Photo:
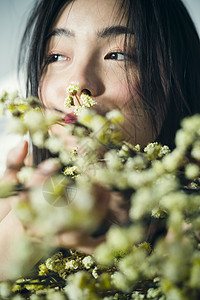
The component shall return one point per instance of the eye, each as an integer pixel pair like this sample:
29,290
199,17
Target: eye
52,58
115,56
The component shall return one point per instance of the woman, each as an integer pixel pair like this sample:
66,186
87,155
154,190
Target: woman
158,50
139,56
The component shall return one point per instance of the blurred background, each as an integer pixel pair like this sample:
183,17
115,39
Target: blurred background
13,16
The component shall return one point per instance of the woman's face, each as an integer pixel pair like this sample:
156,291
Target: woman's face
86,47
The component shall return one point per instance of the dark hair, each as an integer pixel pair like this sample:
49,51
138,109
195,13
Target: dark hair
168,57
166,51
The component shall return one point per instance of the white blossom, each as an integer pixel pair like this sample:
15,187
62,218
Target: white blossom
16,126
69,101
25,174
71,264
54,144
192,171
88,261
72,89
115,116
34,120
87,100
38,138
51,118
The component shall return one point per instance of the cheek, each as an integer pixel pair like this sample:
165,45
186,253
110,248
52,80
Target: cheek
121,95
137,126
43,92
116,81
51,91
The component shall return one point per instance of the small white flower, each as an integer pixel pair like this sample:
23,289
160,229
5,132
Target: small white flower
163,151
16,126
115,137
38,138
87,100
104,254
95,273
112,160
191,124
118,238
54,144
78,109
34,120
88,261
85,117
72,89
153,150
115,116
25,174
158,167
71,171
195,153
172,161
49,263
71,265
183,139
69,101
5,289
51,118
137,162
64,157
120,281
137,296
99,124
192,171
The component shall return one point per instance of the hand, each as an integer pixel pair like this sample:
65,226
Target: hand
15,160
11,228
103,207
81,240
108,207
77,239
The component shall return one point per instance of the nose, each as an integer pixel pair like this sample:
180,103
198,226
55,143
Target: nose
86,91
87,75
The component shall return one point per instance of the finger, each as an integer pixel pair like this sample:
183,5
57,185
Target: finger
16,156
44,171
69,140
78,241
119,207
102,200
89,245
15,160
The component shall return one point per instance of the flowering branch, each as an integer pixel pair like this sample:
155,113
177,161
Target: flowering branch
161,186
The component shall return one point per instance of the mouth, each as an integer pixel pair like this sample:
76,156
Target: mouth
70,118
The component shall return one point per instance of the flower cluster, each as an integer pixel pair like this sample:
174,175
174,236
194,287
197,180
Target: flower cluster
155,255
84,101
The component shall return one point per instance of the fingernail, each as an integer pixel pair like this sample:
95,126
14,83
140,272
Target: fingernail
20,146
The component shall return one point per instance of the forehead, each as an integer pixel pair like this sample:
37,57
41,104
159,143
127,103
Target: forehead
91,14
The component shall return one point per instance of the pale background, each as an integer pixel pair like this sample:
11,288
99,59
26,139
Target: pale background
13,16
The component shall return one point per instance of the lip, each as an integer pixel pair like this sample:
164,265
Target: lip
70,118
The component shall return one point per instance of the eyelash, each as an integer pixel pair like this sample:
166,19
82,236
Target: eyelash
52,58
114,53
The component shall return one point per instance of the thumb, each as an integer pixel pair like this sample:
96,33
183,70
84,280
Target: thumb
15,159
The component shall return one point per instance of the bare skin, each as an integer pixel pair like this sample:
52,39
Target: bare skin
11,229
91,56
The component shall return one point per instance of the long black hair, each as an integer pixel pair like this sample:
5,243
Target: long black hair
166,51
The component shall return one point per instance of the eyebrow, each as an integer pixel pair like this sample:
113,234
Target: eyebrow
60,32
103,33
113,31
